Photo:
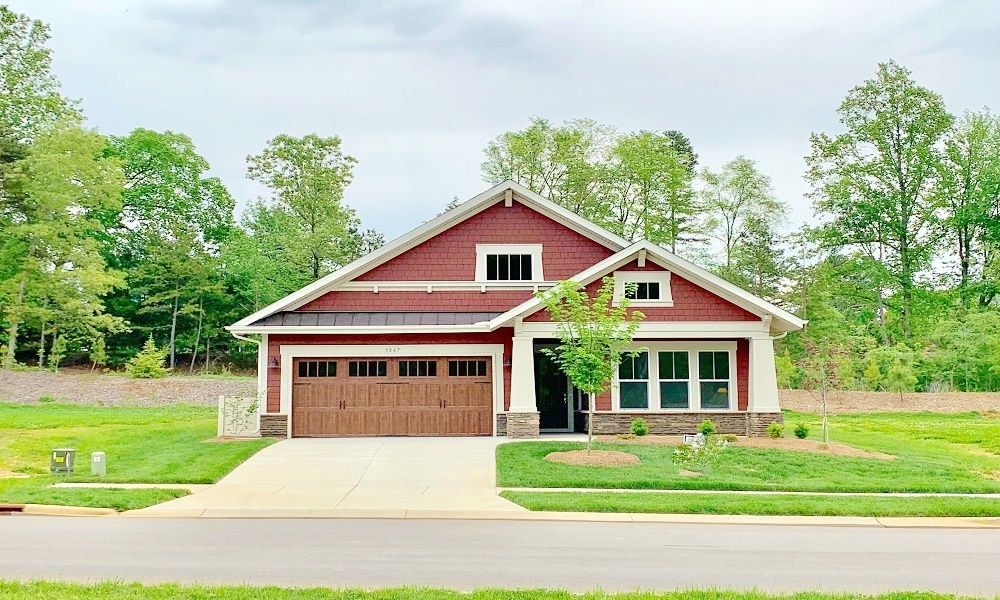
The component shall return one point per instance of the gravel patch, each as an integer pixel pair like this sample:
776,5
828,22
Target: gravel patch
119,390
593,458
864,402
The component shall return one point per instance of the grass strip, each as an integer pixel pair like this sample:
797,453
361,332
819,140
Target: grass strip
756,504
130,591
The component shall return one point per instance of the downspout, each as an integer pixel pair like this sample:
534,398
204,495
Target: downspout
261,373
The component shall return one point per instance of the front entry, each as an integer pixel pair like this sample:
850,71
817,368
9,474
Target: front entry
552,395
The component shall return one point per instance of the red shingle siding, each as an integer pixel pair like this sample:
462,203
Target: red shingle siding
418,300
691,302
742,376
275,341
451,254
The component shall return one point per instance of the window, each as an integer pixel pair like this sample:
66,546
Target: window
713,380
508,267
633,382
674,375
466,368
366,368
643,288
418,368
317,368
508,262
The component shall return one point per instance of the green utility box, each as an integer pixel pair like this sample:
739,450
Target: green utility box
62,460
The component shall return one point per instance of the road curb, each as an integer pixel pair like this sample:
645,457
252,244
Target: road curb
58,510
594,517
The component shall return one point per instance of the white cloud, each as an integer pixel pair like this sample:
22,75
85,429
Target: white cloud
416,91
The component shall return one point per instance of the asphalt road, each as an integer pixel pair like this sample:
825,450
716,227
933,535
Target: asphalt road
468,554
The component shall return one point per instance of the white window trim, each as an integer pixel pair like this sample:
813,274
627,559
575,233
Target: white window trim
535,250
661,277
694,390
687,380
648,379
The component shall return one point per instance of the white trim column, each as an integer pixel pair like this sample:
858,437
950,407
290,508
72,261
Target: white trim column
763,378
522,376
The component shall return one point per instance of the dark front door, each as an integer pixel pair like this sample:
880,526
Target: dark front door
550,393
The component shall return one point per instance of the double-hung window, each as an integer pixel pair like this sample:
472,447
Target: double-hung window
713,380
633,382
674,375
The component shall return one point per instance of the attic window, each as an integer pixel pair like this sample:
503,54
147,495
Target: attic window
643,288
509,262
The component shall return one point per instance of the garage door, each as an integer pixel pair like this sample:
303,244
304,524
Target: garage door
392,396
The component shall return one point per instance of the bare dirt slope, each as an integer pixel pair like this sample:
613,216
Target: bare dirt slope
854,402
117,390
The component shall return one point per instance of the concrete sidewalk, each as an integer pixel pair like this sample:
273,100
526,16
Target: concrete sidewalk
304,475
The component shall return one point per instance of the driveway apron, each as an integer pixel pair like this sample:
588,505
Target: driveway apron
357,474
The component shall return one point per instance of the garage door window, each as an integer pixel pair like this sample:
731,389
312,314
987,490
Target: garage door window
418,368
366,368
466,368
317,368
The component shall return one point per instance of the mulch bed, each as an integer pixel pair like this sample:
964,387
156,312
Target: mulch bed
794,444
594,458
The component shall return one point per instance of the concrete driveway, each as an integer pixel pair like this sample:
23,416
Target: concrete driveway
382,476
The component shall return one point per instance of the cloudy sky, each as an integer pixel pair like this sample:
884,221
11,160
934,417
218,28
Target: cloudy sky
417,91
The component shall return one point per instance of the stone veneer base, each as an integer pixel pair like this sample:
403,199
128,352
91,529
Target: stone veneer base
521,425
752,424
274,426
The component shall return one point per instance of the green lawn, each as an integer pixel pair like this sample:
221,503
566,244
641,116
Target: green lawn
935,453
171,444
129,591
755,504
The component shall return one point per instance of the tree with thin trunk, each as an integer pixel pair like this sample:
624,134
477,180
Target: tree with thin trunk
594,334
878,180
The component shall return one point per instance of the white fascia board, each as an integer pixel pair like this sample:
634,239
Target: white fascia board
431,228
783,320
665,329
354,329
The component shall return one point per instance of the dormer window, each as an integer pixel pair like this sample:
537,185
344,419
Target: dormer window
643,288
509,262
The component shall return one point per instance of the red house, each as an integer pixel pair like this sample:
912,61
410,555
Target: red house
438,333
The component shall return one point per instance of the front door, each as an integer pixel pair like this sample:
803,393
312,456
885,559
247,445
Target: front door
551,394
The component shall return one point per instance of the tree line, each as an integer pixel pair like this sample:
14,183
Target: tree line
899,271
109,241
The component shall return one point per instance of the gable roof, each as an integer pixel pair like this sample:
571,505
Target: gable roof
428,230
782,320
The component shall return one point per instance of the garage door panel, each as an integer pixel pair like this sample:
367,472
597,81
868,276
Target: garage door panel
406,400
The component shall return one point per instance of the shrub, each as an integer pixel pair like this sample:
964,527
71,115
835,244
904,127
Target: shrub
639,426
148,364
801,430
57,353
775,430
697,457
707,427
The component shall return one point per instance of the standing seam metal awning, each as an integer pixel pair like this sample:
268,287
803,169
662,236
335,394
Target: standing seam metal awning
372,319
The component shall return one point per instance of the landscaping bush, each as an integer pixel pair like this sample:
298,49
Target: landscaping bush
801,431
148,364
707,427
639,426
775,430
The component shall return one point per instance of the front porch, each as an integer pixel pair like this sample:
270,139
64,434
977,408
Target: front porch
673,384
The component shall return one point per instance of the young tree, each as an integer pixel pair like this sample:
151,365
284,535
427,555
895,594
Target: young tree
823,370
98,353
594,333
878,179
148,364
736,199
58,352
307,177
30,101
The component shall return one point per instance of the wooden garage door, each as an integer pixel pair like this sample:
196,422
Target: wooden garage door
392,396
